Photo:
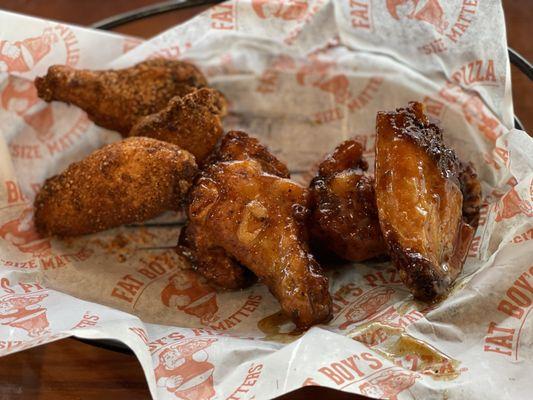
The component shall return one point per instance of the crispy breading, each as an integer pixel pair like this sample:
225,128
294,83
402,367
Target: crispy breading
125,182
116,99
344,217
192,122
419,200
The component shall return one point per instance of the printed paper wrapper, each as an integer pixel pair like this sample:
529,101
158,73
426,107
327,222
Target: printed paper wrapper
302,76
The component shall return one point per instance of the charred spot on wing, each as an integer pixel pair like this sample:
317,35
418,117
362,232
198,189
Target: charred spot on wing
343,219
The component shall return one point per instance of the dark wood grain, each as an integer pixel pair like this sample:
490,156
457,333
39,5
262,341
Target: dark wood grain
69,369
518,17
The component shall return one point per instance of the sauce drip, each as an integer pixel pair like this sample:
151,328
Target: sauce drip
279,328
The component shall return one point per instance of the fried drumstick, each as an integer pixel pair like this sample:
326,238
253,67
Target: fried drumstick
192,122
244,214
344,216
128,181
420,203
116,99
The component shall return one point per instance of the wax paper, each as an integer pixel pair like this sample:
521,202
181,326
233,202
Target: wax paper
301,76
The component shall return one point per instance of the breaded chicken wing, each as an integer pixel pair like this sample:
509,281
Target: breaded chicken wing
241,215
128,181
419,200
116,99
344,216
192,122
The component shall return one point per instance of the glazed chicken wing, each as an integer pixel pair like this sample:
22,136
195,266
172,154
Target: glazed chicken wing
192,122
237,145
241,215
116,99
128,181
344,216
419,200
214,264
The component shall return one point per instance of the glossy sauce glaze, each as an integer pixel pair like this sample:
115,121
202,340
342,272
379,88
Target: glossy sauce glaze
343,215
240,215
419,200
279,328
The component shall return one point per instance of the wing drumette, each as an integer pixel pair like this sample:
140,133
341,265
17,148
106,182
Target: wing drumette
420,203
116,99
344,216
242,214
128,181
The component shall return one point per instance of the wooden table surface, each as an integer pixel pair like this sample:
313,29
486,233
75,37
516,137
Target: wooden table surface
69,369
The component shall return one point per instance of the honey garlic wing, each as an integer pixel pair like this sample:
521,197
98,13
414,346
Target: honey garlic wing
344,217
192,122
116,99
214,263
419,201
125,182
256,219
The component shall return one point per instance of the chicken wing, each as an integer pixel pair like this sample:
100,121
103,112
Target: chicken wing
344,216
419,201
215,263
241,215
192,122
237,145
212,262
128,181
116,99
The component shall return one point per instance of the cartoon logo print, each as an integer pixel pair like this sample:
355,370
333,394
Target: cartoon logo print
388,384
366,306
476,115
24,312
21,233
20,96
185,371
317,74
511,205
22,56
288,10
428,11
223,66
186,292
